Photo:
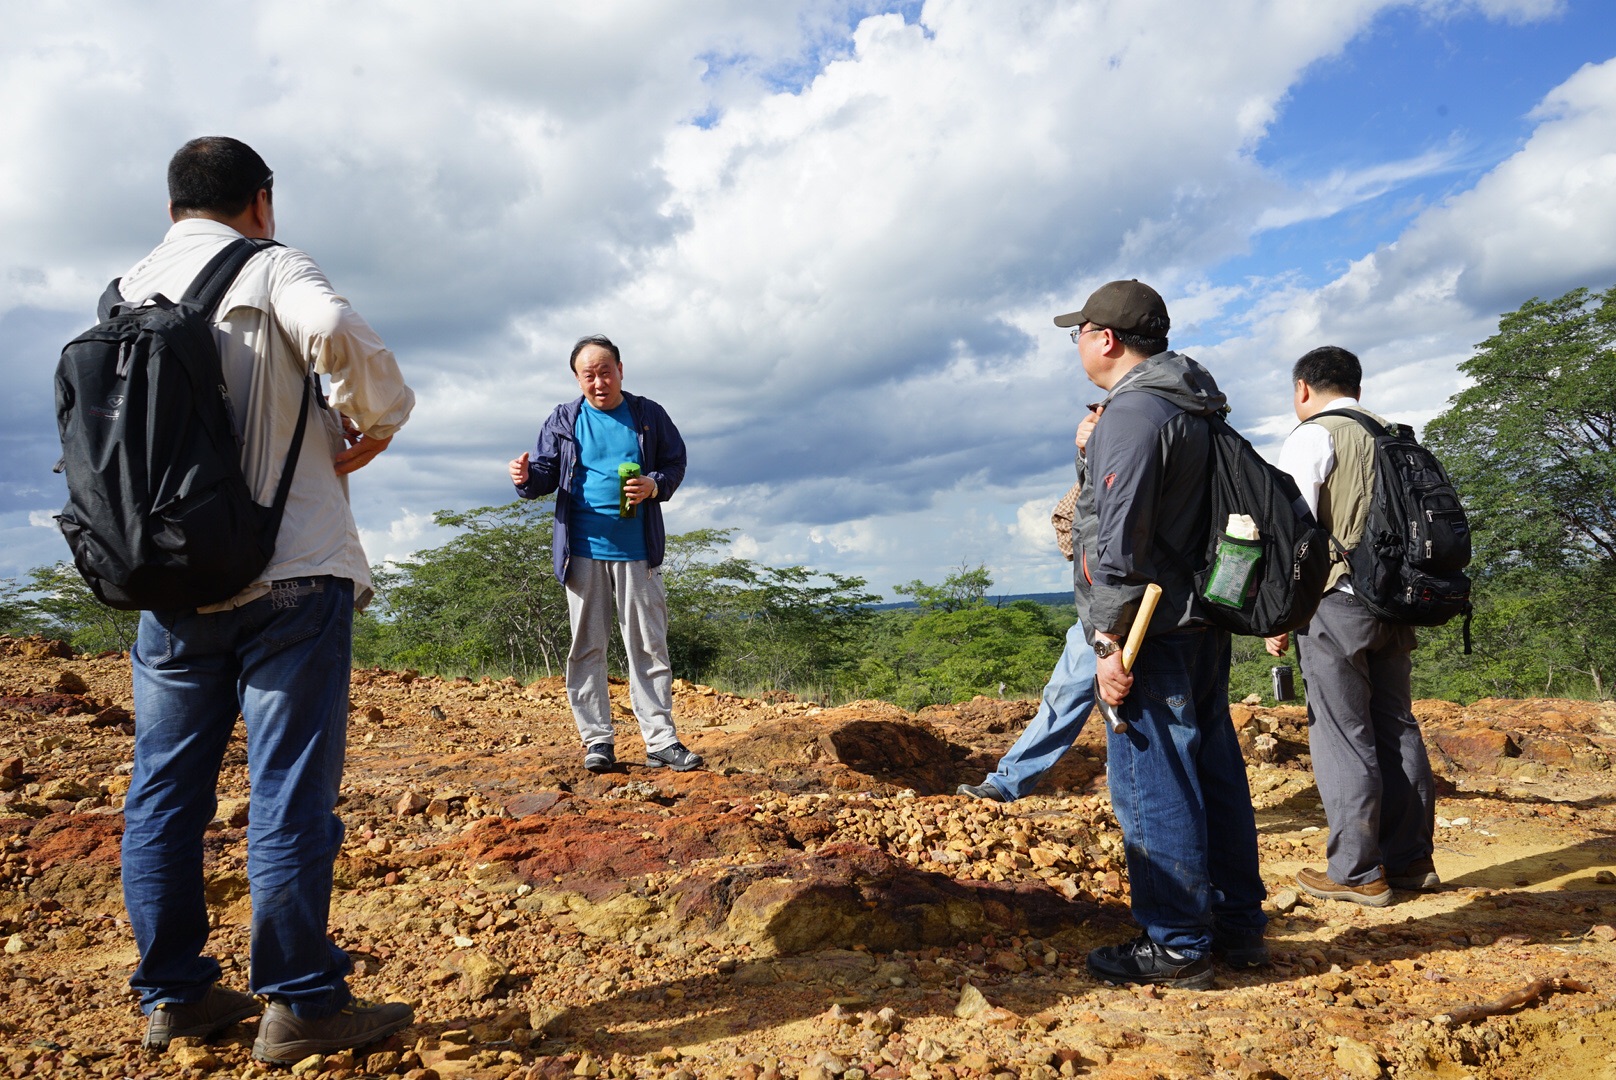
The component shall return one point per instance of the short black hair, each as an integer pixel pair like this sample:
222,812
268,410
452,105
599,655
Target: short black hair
1147,341
600,341
216,175
1330,368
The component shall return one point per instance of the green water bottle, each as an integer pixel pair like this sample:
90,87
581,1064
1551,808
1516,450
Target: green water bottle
625,472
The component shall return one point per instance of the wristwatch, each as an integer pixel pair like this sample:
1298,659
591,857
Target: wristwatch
1104,647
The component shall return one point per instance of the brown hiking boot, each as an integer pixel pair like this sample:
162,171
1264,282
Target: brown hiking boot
1370,894
284,1038
1420,876
205,1019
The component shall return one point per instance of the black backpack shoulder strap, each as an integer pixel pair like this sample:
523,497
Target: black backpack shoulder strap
209,286
111,297
1364,420
284,489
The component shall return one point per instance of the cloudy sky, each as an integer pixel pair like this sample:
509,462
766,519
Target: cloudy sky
829,235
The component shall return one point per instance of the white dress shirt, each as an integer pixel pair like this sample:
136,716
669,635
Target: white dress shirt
280,316
1309,456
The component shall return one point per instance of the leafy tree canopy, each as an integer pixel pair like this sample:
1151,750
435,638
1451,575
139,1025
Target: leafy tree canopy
1531,446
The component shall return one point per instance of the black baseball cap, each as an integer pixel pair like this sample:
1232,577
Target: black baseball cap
1130,306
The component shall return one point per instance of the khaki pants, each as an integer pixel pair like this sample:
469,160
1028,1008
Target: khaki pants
642,612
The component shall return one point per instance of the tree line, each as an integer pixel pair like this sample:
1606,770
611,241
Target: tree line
1530,443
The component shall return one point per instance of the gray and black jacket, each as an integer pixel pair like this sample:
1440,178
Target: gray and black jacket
1142,514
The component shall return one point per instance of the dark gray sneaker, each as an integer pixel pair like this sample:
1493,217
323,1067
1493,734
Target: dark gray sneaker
601,757
284,1038
1420,876
676,757
984,790
1143,961
204,1019
1240,950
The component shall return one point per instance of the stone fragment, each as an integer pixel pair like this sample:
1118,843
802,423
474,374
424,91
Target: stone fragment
479,973
978,1063
67,789
1357,1059
193,1057
971,1003
233,812
44,649
1476,748
70,682
1286,900
310,1065
1008,960
410,804
382,1063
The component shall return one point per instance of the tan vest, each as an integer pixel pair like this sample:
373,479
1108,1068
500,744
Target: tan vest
1344,495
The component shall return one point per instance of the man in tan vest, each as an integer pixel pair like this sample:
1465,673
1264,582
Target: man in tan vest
1369,758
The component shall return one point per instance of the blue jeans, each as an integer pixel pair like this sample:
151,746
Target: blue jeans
282,661
1178,788
1068,700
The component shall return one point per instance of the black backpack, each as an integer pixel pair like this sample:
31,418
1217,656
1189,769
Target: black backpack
159,514
1291,552
1409,566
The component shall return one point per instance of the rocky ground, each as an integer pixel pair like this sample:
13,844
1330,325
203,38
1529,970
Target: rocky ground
815,904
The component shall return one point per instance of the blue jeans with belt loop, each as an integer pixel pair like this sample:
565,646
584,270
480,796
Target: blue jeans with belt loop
283,662
1178,789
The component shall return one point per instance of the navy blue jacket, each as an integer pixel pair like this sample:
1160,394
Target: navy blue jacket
553,466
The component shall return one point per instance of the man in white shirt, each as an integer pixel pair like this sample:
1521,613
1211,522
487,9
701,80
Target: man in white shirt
279,652
1369,757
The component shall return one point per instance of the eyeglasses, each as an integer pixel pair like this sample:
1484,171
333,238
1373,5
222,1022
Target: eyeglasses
1091,330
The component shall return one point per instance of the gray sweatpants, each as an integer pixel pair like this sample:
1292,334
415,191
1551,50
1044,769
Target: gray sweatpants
1369,758
642,611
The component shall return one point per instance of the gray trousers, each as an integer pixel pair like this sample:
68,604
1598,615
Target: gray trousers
642,611
1369,758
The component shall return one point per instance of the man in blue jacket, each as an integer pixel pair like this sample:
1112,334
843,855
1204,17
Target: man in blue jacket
602,556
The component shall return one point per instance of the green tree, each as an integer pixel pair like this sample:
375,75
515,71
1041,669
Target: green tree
17,617
486,601
966,587
57,602
1531,446
759,627
960,645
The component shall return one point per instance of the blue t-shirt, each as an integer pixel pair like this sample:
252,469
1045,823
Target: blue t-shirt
605,441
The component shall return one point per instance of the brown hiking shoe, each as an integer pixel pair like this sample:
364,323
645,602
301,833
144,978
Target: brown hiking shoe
284,1038
1370,894
1420,876
205,1019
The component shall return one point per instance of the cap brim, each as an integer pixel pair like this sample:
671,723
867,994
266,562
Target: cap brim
1074,319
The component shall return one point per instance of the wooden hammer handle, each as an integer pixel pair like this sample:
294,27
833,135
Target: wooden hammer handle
1141,623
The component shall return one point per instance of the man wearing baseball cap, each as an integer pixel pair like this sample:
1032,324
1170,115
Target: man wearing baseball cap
1178,781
